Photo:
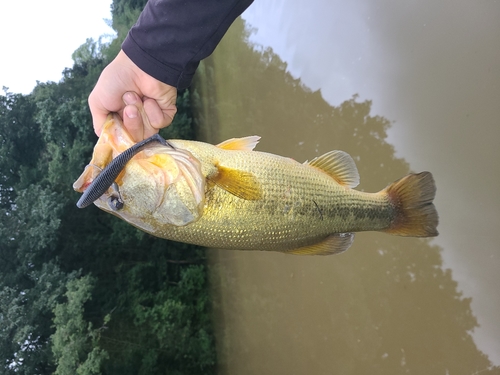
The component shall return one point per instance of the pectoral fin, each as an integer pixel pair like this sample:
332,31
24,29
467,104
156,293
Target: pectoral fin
339,165
242,184
242,144
334,244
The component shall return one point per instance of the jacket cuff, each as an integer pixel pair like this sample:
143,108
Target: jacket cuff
156,69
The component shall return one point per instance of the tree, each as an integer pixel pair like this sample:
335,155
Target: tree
81,291
75,341
20,144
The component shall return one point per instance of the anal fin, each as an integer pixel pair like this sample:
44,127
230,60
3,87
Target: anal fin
333,244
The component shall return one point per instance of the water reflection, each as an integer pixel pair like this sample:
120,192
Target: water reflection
385,306
433,68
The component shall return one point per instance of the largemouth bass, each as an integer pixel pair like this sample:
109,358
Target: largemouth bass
229,196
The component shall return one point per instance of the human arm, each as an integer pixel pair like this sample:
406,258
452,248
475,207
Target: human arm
124,88
159,55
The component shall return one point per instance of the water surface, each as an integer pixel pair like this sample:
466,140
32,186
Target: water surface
401,87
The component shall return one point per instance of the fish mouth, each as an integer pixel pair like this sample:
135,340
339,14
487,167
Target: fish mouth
109,174
121,169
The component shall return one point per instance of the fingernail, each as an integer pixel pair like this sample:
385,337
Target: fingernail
130,98
131,112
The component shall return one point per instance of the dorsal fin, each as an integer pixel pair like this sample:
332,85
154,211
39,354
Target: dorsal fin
242,184
242,144
334,244
339,165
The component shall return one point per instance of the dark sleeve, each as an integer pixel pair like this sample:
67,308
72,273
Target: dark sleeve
171,37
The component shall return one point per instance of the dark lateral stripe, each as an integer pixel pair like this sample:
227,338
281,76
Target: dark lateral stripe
109,174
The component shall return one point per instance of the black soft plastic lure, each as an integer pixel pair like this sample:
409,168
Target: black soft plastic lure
109,174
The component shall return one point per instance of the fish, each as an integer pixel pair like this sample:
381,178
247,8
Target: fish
229,196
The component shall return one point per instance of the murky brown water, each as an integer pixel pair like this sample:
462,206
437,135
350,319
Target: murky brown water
428,79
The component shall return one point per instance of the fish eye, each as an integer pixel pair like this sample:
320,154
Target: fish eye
115,203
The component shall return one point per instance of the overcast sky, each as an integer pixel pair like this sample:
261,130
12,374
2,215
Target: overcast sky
37,38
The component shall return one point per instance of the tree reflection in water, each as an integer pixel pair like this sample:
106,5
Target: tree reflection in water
386,306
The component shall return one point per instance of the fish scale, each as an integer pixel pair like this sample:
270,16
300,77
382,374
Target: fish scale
229,196
281,219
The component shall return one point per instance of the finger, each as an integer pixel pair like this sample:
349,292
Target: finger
170,111
132,121
99,113
159,116
161,107
105,97
135,118
154,115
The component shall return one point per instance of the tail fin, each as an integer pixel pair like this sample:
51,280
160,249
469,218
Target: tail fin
412,198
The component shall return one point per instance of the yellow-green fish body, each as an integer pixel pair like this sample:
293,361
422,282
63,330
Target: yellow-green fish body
229,196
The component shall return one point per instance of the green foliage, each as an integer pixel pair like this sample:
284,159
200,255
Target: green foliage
75,342
30,278
125,14
82,292
88,52
37,221
27,298
20,144
164,312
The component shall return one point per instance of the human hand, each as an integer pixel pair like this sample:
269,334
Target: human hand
124,88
